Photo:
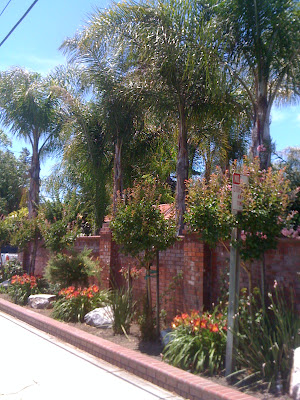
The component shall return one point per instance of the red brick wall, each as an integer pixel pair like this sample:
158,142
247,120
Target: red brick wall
282,264
203,270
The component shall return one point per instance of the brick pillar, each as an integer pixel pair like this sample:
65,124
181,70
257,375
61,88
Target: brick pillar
193,273
105,254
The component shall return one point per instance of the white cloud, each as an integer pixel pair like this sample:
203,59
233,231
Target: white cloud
43,65
278,115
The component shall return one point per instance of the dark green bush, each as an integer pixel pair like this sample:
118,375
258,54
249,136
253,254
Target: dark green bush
73,268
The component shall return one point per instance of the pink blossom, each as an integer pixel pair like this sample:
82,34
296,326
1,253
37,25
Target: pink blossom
261,148
287,232
243,236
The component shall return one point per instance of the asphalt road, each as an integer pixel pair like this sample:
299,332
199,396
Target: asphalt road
37,366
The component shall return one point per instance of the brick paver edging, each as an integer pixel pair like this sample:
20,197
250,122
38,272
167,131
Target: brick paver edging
161,374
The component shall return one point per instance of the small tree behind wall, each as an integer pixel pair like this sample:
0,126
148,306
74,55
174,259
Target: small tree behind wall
142,231
265,210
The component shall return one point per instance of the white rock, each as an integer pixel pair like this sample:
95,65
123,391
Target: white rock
38,301
5,284
165,337
100,317
295,376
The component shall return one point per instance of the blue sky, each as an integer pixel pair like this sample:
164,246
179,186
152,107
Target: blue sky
35,42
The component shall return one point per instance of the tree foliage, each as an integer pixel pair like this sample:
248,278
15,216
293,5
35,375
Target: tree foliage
265,208
29,110
138,225
12,183
59,223
261,51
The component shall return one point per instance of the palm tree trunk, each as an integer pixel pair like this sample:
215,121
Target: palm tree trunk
33,199
261,140
182,168
34,190
118,182
100,197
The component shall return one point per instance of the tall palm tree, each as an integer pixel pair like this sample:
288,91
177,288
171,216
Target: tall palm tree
85,149
107,81
166,44
29,110
262,52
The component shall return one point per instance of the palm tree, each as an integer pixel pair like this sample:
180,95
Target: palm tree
85,149
262,53
29,110
117,109
164,48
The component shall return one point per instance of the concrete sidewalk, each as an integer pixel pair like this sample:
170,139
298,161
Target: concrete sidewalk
36,366
175,380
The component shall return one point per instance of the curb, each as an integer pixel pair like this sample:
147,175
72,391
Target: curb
183,383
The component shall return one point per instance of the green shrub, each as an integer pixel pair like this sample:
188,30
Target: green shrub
22,286
123,310
11,268
74,304
198,342
70,269
266,338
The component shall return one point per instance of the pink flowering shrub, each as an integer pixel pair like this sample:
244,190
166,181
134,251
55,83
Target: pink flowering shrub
264,215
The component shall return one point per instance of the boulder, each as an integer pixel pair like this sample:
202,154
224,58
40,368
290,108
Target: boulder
100,317
295,376
39,301
5,284
165,337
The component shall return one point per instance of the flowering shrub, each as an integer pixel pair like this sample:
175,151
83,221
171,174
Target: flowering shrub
265,210
209,207
133,273
74,303
198,342
22,286
264,215
141,230
20,229
292,229
10,268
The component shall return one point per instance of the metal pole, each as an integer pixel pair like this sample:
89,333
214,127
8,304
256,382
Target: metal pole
157,295
234,288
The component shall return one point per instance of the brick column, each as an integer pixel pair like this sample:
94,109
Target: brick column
193,273
105,254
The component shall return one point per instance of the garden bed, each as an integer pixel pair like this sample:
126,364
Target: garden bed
133,341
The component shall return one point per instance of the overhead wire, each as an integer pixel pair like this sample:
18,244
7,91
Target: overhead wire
20,20
5,8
